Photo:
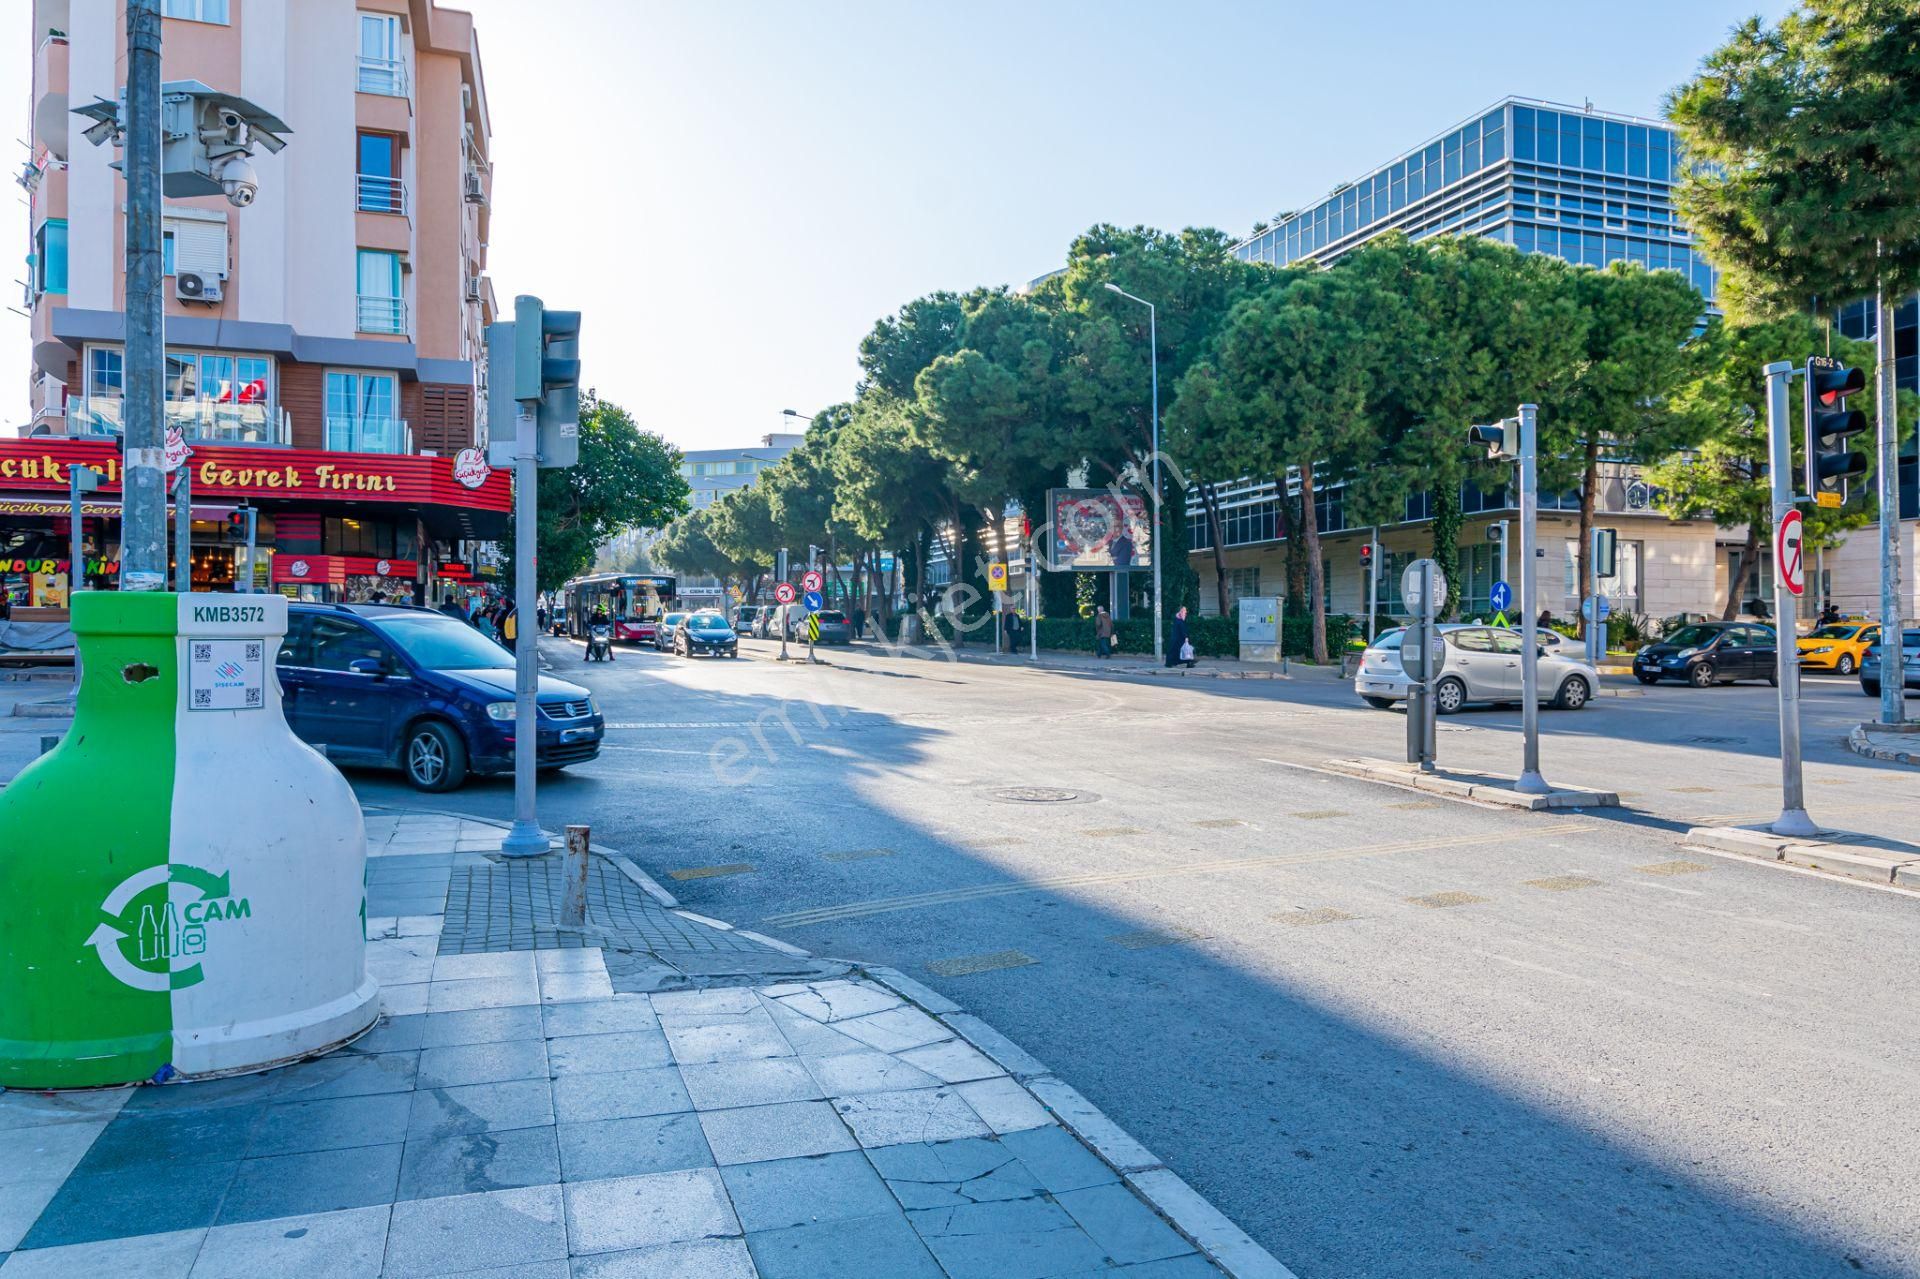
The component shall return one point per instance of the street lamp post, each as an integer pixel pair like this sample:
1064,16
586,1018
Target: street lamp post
1153,363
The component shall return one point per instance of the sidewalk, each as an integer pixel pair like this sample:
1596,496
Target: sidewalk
657,1096
1120,664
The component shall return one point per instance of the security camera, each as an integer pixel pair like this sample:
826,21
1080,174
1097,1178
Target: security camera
239,181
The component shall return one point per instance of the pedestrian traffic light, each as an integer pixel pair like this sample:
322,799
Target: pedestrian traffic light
546,373
1366,555
1502,439
1830,424
240,523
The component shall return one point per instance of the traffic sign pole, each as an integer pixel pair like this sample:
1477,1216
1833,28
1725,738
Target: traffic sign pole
1530,781
1793,820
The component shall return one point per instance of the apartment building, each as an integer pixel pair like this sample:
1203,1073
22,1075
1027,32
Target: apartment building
325,357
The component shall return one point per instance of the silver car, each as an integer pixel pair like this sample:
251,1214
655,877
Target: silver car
1482,665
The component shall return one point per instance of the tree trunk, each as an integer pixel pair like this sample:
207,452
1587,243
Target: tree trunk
1589,495
1749,558
1210,503
1296,547
1316,569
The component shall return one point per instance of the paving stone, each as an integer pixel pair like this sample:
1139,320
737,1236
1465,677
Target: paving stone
809,1038
50,1150
574,987
779,1193
697,1259
480,1026
637,1212
1190,1266
1058,1159
349,1075
332,1125
584,960
512,964
472,1163
391,1034
599,1017
924,1114
208,1094
596,1054
879,1247
32,1110
113,1205
1003,1105
723,1084
953,1061
619,1094
1126,1229
782,1131
483,1063
517,1103
895,1030
468,1232
633,1146
349,1244
735,1039
404,1001
1008,1239
318,1181
723,999
950,1174
21,1203
482,992
159,1256
845,1074
831,1001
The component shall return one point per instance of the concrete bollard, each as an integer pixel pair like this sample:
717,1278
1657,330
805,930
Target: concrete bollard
573,904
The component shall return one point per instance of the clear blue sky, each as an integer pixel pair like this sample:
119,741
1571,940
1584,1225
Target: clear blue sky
734,192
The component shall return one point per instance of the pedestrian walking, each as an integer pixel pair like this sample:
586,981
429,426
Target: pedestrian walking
1546,619
1102,632
1179,647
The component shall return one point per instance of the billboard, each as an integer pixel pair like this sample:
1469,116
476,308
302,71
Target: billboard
1094,529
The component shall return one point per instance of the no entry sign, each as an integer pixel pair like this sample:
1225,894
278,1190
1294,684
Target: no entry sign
1789,552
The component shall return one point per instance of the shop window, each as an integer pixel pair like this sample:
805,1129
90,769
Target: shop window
346,536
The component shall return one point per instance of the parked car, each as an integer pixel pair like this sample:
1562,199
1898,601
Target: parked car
706,633
1870,664
1711,653
404,688
745,616
1839,647
1482,665
834,627
663,631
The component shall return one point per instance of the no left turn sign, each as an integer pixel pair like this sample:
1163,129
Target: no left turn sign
1789,552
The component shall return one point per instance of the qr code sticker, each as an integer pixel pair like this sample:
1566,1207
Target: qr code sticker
253,652
203,697
253,697
203,652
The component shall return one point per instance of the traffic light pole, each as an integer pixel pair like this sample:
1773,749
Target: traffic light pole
525,838
183,529
1892,616
1793,819
1530,781
143,523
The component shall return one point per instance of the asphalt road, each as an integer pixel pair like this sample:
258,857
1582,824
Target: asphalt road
1390,1036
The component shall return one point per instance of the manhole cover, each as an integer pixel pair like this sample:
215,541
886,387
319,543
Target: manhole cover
1040,795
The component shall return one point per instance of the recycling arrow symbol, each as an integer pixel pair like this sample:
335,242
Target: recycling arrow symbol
106,937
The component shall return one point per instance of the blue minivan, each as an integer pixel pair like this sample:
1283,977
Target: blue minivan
396,687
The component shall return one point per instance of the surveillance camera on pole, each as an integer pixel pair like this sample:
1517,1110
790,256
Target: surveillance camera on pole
207,139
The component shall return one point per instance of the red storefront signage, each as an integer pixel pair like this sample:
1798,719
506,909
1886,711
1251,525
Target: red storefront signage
230,471
334,570
454,571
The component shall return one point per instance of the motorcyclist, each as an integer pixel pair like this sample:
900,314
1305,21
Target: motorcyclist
601,617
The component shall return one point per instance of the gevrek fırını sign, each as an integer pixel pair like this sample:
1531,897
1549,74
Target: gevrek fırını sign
185,877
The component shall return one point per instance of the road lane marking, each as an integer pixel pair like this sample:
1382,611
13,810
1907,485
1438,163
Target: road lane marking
1047,883
967,965
856,855
711,872
1440,901
1219,823
1562,883
1151,938
1320,814
1110,832
1416,804
1672,868
1308,918
991,841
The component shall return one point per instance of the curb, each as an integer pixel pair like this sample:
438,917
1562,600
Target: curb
1487,790
1203,1225
1837,852
1858,742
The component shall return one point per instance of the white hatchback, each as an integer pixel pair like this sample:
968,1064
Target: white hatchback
1482,665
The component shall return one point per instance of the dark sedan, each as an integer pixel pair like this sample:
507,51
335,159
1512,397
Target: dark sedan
706,633
1711,653
1910,662
834,627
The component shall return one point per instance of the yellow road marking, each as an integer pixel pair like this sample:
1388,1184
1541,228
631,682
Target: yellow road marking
1672,868
1047,883
709,872
1307,918
1563,883
966,965
1440,901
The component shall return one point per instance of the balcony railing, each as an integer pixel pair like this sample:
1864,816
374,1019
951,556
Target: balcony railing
201,421
373,194
385,76
369,435
381,314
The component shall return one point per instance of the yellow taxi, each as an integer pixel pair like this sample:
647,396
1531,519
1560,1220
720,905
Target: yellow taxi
1838,647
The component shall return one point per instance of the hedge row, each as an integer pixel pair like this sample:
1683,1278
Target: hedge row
1211,636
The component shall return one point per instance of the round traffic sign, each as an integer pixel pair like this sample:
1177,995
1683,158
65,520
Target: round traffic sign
1789,552
1500,597
813,601
811,580
1410,584
1593,602
784,592
1423,652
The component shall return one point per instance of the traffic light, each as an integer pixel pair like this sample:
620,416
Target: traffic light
1606,552
1502,439
1366,555
240,523
1497,531
546,373
1830,423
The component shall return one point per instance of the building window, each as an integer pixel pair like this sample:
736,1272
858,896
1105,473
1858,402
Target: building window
50,256
377,185
382,66
381,307
363,413
341,536
195,10
166,253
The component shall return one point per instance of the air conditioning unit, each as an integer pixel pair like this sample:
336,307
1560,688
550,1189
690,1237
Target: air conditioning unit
191,286
476,187
473,290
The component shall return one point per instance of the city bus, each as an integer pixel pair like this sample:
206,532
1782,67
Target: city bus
634,601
